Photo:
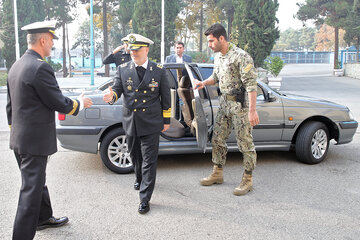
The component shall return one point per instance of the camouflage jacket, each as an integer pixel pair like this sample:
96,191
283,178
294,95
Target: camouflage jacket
234,69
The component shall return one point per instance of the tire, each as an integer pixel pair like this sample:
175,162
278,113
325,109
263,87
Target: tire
312,142
114,152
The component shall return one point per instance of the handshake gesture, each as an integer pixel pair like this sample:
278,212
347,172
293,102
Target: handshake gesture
87,101
109,96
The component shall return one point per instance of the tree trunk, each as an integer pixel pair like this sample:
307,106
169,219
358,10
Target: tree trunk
64,51
106,47
336,53
201,27
357,49
68,49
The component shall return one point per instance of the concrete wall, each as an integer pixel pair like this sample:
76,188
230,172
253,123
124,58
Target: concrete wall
352,70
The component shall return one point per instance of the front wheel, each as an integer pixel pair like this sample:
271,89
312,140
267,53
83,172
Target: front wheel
114,152
312,142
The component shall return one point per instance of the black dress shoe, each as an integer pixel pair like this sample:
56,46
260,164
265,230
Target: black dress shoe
144,207
137,186
52,222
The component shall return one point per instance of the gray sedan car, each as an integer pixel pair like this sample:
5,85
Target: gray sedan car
287,122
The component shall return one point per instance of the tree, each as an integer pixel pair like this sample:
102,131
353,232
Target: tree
28,12
147,22
352,27
307,38
60,10
331,12
325,40
254,27
83,39
124,14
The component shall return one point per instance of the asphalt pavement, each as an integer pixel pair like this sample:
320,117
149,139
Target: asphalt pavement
290,200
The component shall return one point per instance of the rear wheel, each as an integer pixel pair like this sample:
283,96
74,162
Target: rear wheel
114,152
312,142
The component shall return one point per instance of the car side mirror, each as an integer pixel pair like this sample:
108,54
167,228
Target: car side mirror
271,96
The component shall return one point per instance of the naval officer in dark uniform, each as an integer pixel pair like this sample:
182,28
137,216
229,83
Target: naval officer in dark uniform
120,54
146,111
33,97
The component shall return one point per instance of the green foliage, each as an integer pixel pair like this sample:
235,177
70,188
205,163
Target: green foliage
274,65
28,12
147,22
254,27
296,40
352,28
200,57
55,66
3,77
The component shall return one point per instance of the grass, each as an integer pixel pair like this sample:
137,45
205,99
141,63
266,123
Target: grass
3,76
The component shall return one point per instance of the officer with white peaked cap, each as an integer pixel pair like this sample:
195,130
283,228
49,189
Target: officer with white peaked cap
146,112
33,97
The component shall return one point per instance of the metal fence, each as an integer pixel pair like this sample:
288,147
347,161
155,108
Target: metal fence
304,57
348,56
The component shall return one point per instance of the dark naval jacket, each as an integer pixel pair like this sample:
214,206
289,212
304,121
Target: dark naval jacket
33,97
146,103
117,58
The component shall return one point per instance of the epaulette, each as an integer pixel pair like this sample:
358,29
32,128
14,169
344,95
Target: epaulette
160,66
123,65
41,60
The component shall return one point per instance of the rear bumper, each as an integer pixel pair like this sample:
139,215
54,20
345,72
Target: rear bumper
79,138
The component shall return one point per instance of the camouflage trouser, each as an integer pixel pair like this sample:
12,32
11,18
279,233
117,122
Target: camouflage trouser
229,116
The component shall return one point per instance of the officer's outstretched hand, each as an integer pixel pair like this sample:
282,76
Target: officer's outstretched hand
109,96
166,127
87,101
198,84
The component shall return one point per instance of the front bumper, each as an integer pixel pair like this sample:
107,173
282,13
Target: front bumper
347,131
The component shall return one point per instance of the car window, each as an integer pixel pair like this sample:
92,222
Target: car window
205,72
106,85
260,94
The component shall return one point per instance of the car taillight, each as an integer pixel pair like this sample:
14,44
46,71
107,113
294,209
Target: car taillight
61,116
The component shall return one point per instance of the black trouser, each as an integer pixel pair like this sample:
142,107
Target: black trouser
34,201
144,153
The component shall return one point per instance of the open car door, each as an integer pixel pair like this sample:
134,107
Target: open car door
200,121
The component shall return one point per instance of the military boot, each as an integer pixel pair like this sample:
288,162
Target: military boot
216,177
245,185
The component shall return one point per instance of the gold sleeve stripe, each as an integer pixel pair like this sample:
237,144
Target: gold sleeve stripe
247,68
167,113
116,97
75,106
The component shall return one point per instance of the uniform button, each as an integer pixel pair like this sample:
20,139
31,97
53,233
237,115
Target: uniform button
145,91
143,109
135,100
134,110
144,101
136,90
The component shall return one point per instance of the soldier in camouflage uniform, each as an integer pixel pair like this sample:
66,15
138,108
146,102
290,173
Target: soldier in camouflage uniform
236,75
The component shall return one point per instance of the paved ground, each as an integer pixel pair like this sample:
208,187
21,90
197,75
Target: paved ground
290,200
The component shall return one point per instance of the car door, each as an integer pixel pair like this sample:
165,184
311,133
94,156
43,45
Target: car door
203,116
271,115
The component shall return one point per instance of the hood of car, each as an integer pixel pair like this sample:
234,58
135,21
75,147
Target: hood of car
305,101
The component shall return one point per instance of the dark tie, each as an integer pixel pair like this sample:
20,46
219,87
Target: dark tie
140,72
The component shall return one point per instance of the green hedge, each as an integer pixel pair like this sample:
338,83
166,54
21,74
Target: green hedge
3,76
